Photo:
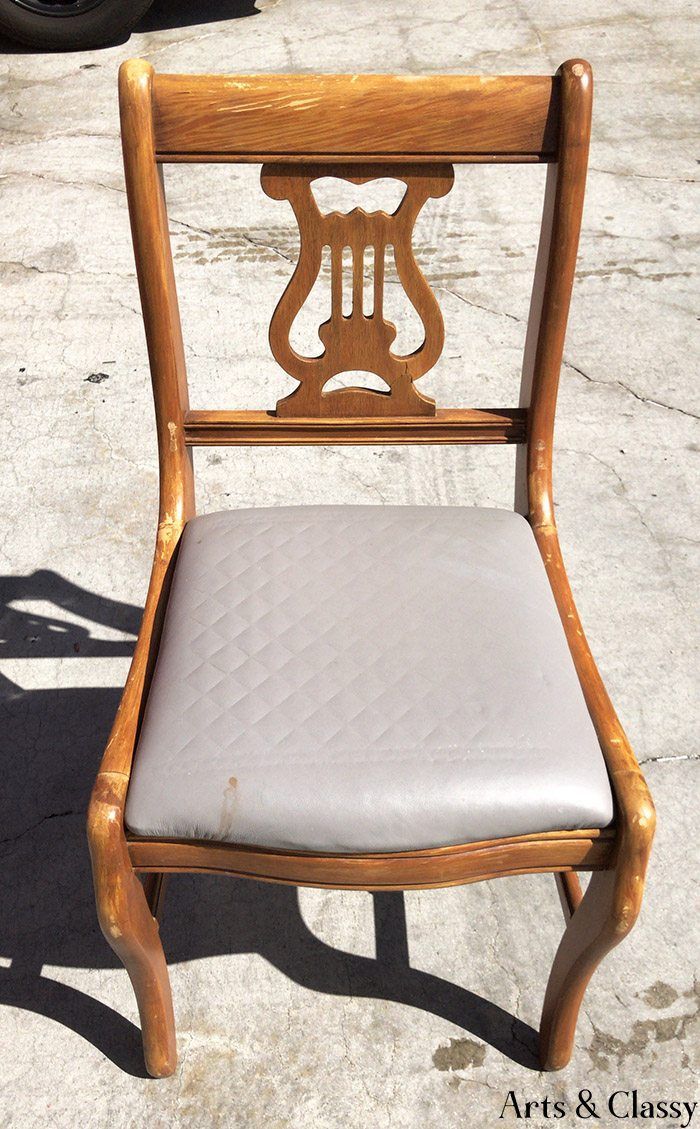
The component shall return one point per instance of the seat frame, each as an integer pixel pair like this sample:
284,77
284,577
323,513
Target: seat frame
168,118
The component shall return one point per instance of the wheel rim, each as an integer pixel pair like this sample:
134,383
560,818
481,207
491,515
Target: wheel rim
60,8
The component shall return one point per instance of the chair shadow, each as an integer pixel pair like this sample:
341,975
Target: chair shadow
162,16
53,742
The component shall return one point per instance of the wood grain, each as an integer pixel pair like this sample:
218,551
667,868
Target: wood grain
355,117
356,340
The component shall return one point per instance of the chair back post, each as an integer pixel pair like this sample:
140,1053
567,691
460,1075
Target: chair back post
154,268
551,293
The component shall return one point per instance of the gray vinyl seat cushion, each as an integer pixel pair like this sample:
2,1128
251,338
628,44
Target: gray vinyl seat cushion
363,679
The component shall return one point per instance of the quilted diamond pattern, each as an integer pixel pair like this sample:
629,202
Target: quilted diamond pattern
363,678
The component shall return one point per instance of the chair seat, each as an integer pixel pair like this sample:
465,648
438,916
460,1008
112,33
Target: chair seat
363,679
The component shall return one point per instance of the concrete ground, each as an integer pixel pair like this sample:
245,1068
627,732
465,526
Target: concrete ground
307,1008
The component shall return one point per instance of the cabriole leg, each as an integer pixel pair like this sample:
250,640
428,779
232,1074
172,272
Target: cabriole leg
591,933
130,928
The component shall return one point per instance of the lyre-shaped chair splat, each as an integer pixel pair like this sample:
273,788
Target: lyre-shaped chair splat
356,340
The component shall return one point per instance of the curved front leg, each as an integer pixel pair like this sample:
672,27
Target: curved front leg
589,936
128,925
604,917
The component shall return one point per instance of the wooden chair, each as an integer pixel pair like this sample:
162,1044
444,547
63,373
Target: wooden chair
425,800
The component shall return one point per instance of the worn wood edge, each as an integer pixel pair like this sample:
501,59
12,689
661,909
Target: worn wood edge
426,869
129,924
635,819
605,914
176,505
603,834
156,278
368,887
635,816
121,744
448,425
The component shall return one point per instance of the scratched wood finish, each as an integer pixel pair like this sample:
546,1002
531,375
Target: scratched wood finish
505,120
611,903
359,340
355,117
446,866
247,427
122,907
128,924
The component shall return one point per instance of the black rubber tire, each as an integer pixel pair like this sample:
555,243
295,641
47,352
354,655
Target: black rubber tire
96,27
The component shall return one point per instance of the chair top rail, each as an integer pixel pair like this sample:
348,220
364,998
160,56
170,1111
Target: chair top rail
391,118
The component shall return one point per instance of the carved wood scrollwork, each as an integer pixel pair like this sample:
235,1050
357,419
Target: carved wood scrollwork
358,340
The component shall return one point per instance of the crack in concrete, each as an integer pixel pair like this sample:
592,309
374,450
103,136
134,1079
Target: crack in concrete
662,548
475,305
568,364
259,243
191,227
349,472
33,827
645,176
478,306
626,388
187,40
182,1064
67,135
19,264
267,247
65,183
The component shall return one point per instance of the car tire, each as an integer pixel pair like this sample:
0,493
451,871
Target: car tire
69,25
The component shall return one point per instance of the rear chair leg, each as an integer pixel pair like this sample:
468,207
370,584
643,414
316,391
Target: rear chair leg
570,892
155,885
130,927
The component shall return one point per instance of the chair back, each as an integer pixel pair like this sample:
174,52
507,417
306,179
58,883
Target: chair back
357,128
